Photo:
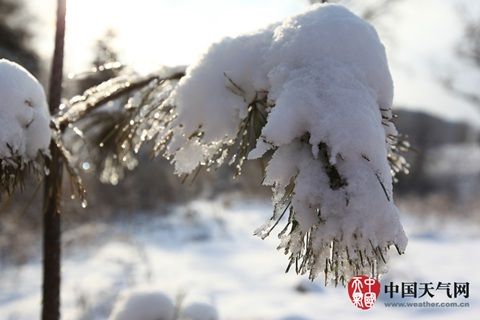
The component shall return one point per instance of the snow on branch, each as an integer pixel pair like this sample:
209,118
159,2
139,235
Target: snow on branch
311,95
24,126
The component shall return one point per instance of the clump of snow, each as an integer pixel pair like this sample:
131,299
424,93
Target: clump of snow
313,93
143,304
199,311
25,118
150,304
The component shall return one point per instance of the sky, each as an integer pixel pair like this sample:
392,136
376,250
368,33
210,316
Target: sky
420,37
151,33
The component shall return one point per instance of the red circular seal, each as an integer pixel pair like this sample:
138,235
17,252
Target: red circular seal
363,291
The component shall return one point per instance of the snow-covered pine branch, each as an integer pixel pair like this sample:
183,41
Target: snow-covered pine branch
311,95
109,122
26,130
315,93
24,125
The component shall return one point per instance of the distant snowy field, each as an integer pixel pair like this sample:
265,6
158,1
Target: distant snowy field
205,251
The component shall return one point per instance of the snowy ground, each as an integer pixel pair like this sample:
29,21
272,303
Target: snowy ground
206,252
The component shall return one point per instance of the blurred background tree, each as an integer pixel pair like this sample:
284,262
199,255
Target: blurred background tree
16,36
468,53
105,64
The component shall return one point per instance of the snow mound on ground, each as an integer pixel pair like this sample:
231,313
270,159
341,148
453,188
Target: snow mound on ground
143,304
25,118
199,311
316,92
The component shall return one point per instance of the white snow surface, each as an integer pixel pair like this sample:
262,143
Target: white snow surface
205,250
151,304
143,304
24,117
199,311
325,73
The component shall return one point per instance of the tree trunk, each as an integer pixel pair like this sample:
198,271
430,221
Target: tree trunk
53,186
